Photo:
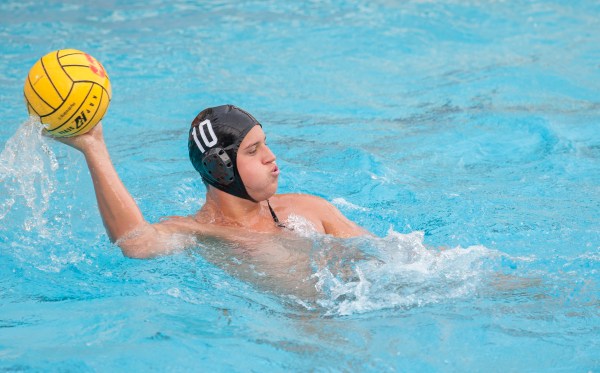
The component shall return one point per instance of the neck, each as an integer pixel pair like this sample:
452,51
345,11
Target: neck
234,210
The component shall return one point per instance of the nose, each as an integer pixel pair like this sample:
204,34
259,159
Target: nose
269,156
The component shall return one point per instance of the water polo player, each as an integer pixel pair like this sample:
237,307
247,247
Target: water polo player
227,146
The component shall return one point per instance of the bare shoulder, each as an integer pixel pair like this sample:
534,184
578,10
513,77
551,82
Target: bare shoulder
302,204
299,198
319,211
178,224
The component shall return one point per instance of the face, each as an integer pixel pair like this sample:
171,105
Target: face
256,165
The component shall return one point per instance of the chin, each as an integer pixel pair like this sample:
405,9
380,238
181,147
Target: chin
264,194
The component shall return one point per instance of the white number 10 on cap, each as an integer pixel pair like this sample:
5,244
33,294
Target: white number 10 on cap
208,143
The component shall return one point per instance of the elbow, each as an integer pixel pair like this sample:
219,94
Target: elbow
134,255
135,252
135,244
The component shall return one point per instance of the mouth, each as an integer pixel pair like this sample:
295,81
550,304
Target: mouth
275,170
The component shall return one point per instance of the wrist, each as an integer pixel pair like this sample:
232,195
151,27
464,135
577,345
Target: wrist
93,148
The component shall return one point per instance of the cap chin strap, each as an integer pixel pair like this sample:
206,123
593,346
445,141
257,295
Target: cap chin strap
231,189
275,218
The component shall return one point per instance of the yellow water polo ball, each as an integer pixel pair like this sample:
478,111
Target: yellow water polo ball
69,90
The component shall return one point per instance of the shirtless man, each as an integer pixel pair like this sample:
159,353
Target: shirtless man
227,146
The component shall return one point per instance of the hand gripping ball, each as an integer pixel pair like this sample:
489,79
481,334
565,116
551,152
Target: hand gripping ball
69,90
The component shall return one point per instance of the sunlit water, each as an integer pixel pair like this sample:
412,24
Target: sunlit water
464,135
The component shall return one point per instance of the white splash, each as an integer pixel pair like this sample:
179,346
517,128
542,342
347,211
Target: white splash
57,263
27,173
399,271
341,202
301,226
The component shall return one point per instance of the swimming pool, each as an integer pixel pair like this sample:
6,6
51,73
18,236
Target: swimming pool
469,126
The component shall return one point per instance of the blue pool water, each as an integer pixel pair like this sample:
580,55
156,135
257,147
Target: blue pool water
465,135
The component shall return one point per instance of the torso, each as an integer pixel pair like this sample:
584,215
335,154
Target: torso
273,257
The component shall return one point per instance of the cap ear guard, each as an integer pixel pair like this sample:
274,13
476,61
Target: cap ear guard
218,166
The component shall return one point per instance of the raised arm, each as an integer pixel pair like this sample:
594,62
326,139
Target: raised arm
120,213
122,217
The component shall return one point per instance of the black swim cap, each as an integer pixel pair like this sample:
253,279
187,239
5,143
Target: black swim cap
215,137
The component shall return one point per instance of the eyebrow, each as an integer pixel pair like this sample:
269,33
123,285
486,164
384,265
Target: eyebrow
256,143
